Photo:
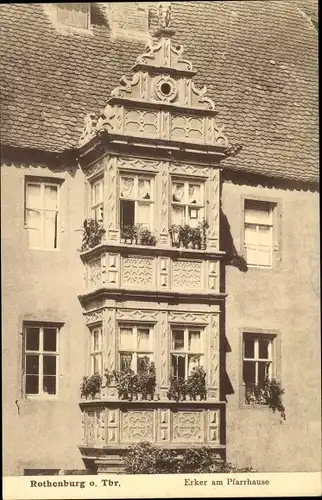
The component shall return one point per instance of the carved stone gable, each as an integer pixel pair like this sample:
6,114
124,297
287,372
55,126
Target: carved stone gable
161,100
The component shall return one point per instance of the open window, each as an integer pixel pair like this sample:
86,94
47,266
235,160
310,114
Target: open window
135,346
187,199
186,350
136,201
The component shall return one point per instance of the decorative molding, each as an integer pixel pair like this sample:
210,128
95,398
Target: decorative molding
183,169
94,316
214,352
186,274
110,324
95,272
137,271
111,182
137,315
96,168
89,130
137,426
138,164
164,354
188,426
189,317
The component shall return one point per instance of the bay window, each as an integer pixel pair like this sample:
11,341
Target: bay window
187,198
136,201
135,347
186,350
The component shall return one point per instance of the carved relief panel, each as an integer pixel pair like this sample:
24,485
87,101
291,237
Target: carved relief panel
138,272
188,426
187,274
137,426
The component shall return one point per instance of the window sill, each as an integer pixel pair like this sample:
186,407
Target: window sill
35,397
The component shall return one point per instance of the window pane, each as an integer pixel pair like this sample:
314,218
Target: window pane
50,229
143,215
142,363
97,339
126,338
249,372
127,187
145,189
249,348
49,385
195,194
262,373
98,213
32,384
33,196
125,361
251,237
258,215
49,365
50,337
193,362
32,364
143,339
193,217
178,192
178,365
251,255
127,213
51,199
97,192
32,339
264,256
263,348
178,216
97,363
177,340
265,235
194,341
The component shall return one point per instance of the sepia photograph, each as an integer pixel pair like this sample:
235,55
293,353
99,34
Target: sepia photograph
160,249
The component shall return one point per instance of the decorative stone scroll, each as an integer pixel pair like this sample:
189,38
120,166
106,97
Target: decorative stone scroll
160,101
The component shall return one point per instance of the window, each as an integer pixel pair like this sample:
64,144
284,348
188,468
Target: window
75,14
186,350
97,197
187,202
41,360
136,201
96,350
135,347
259,234
258,360
41,214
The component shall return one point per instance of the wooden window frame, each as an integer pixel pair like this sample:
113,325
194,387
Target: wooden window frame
94,353
40,352
186,352
275,336
276,206
135,351
186,205
136,199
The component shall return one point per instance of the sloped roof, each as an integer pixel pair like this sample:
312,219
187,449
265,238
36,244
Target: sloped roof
257,58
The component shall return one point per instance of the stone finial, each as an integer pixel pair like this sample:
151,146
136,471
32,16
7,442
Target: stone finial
164,14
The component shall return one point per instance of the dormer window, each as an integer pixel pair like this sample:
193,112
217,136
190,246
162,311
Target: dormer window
75,15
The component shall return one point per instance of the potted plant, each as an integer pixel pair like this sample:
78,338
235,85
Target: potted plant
196,384
151,382
175,234
129,234
91,386
186,235
147,238
93,232
196,238
125,383
178,389
203,225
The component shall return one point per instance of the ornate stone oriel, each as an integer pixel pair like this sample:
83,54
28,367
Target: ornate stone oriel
158,129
